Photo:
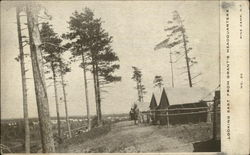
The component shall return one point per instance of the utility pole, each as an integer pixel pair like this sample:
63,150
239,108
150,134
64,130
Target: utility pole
65,100
39,80
24,84
171,62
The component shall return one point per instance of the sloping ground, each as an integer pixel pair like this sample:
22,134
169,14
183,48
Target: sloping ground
127,137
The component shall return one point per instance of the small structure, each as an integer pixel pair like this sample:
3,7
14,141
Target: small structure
143,116
182,105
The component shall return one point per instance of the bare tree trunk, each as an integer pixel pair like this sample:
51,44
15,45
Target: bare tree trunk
187,61
56,100
24,86
186,53
65,101
98,93
95,87
39,81
86,92
140,91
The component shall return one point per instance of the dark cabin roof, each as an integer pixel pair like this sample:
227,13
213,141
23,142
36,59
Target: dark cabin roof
153,104
164,103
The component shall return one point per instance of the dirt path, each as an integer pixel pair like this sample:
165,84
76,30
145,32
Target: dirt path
127,137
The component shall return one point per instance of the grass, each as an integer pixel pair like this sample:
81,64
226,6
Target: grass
125,137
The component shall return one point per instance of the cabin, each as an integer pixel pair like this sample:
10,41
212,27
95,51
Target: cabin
182,105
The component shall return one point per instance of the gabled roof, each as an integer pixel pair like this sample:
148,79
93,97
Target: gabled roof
164,102
157,93
187,95
175,96
153,103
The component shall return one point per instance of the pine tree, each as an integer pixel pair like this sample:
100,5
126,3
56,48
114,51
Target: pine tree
51,51
177,38
158,81
52,54
63,70
106,66
94,45
177,32
137,77
78,52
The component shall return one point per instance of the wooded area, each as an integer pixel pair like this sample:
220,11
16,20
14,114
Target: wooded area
87,40
87,43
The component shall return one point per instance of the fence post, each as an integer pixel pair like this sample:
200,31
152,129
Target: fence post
214,119
209,114
167,118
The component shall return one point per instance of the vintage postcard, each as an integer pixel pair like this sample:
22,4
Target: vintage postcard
126,76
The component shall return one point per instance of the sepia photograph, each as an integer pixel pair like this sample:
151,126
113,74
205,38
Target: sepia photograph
110,76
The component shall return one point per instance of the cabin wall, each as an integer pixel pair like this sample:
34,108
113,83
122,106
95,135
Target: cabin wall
187,116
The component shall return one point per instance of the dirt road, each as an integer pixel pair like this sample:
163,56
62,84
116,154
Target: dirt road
127,137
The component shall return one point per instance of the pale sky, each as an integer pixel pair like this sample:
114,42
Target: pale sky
137,26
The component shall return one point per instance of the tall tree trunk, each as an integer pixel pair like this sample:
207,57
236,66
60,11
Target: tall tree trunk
95,87
39,81
56,100
142,97
138,91
98,93
187,61
141,91
65,101
186,53
24,85
86,91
